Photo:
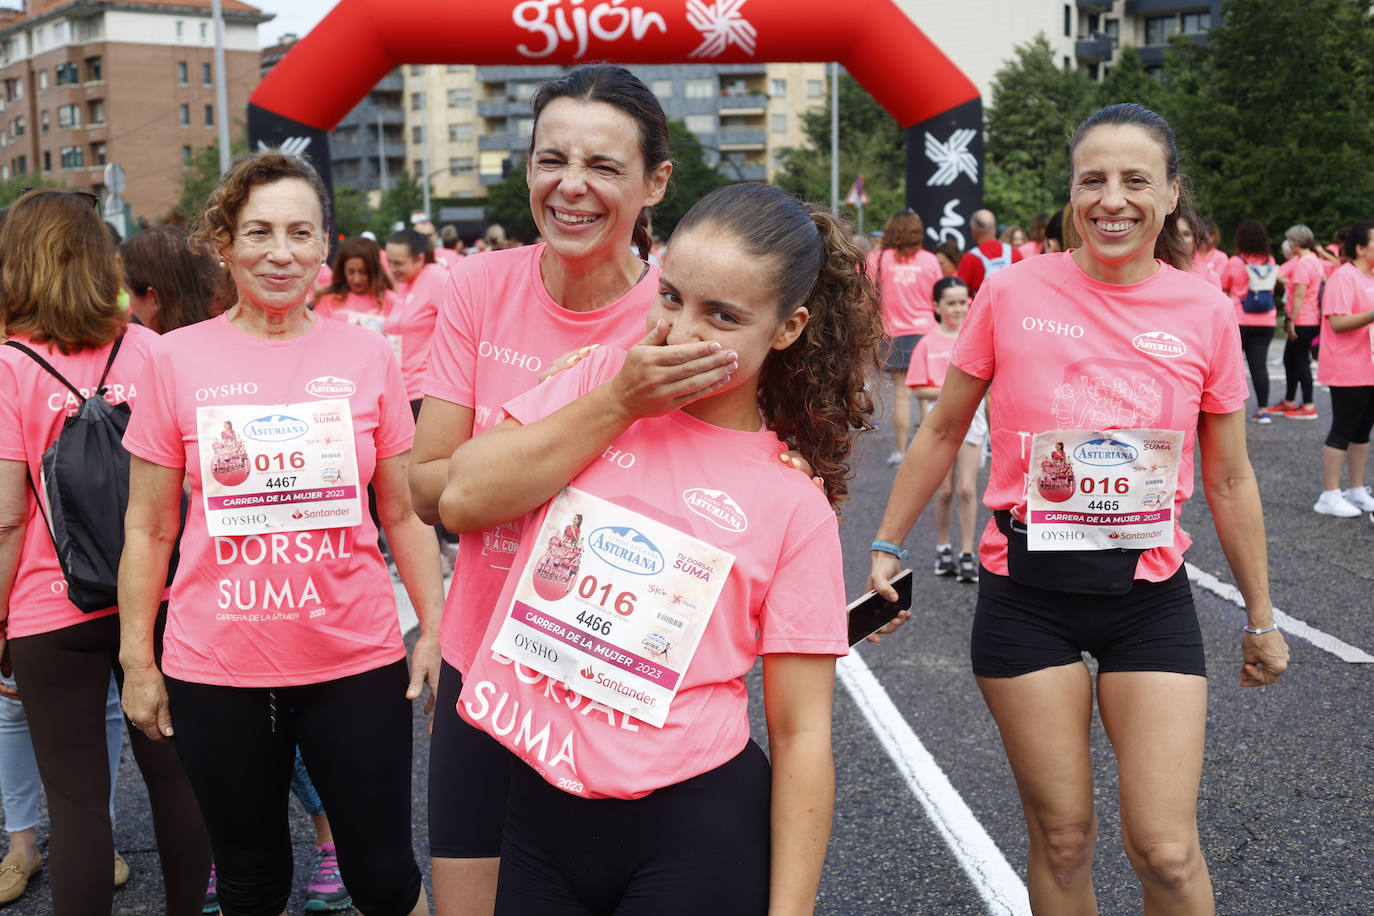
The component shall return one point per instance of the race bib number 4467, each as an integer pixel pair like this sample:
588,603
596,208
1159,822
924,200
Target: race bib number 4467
1099,489
283,467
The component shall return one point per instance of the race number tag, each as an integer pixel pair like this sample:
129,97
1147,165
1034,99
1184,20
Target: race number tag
373,322
613,604
1095,490
283,467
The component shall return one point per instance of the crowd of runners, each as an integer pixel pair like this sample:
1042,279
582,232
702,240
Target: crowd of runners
631,455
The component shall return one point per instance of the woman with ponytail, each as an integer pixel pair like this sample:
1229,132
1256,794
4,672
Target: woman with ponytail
642,782
598,161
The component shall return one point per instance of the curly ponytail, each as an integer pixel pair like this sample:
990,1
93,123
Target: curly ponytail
812,394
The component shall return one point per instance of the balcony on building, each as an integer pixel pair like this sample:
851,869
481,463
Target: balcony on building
503,107
1096,48
742,138
747,103
1095,6
517,74
494,142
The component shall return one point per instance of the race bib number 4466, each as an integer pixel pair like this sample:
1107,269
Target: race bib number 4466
283,467
613,604
1098,489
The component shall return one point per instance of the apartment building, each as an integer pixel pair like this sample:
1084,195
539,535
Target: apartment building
467,127
86,82
981,35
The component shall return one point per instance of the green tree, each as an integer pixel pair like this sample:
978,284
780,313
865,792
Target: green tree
201,176
693,178
1129,82
11,188
351,213
1276,109
872,143
401,199
508,203
1035,107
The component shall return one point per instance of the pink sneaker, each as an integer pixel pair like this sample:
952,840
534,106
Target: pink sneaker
326,891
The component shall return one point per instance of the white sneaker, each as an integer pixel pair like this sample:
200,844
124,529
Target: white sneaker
1360,498
895,459
1333,503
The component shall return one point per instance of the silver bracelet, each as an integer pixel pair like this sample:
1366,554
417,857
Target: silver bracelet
1261,630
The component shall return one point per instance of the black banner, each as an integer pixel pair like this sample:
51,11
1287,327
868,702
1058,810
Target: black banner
267,128
944,172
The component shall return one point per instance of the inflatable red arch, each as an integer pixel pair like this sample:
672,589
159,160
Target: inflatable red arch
330,70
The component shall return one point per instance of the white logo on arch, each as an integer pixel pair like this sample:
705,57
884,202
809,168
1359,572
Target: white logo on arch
721,26
951,157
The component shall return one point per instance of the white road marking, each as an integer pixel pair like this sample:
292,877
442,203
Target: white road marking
1289,624
995,880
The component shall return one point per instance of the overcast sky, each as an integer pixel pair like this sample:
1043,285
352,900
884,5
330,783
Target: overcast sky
299,16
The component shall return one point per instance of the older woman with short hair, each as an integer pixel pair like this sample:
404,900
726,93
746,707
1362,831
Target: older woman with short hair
281,627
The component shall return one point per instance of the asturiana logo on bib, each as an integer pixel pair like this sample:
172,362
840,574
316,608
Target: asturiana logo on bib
329,386
1159,343
1105,453
717,507
627,550
275,428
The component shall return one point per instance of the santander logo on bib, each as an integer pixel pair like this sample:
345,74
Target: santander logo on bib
716,507
1159,343
329,386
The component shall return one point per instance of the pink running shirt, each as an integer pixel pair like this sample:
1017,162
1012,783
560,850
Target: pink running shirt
413,319
1346,361
284,608
930,360
1065,351
33,406
498,330
784,594
355,305
904,290
1306,270
1236,282
1217,260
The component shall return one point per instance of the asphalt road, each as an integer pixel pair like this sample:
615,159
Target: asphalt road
1287,798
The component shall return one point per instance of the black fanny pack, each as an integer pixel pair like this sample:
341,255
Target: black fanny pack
1087,572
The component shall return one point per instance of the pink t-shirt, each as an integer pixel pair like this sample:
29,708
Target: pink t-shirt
1202,267
413,320
1217,260
498,330
1065,351
1306,270
354,307
784,594
930,360
904,290
325,277
283,608
1235,281
1346,361
33,406
1031,248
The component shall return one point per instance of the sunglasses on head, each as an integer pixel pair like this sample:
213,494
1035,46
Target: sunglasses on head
89,197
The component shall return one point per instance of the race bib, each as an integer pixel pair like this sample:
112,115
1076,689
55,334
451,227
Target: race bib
1095,490
613,604
283,467
373,322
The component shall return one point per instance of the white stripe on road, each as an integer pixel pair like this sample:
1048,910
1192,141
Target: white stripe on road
996,881
1288,623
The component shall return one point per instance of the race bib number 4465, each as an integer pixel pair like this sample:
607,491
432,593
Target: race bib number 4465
283,467
1098,489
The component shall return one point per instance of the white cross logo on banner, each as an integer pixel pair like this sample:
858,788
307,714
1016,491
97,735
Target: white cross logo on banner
721,25
951,157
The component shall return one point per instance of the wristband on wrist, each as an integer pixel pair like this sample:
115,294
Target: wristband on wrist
897,550
1259,631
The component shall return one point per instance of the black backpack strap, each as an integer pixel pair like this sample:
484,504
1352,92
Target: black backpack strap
100,386
48,366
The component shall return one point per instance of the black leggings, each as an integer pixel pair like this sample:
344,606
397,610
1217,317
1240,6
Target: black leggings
1352,416
239,748
1297,362
63,677
700,846
1254,341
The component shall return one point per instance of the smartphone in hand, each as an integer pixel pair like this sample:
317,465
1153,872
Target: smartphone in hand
870,612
